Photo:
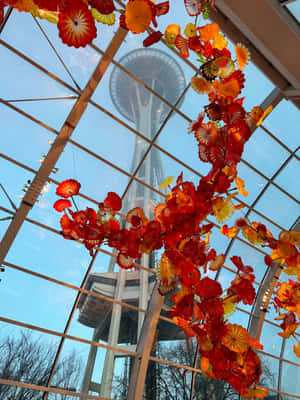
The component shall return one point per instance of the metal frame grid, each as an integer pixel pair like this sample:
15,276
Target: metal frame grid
83,98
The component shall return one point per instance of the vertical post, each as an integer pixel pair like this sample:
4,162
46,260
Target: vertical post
113,336
139,370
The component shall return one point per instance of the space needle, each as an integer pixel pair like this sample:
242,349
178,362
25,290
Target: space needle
117,326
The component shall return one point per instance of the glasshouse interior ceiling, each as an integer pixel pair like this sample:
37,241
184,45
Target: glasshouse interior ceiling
172,288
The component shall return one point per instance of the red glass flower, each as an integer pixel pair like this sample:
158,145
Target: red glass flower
207,288
60,205
76,24
113,201
68,188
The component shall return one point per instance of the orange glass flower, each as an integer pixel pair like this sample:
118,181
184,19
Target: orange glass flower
209,32
257,393
240,185
200,85
297,350
242,55
217,262
230,88
236,338
138,15
170,34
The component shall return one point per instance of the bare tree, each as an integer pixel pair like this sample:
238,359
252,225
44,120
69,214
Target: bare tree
173,383
169,382
28,359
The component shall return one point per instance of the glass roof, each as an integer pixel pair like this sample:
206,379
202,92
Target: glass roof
293,7
49,284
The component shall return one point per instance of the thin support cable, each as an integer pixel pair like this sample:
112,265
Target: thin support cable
5,19
62,340
57,54
41,99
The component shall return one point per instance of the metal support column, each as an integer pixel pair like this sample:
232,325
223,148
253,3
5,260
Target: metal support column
139,370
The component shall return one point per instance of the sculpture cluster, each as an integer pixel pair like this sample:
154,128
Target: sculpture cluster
201,306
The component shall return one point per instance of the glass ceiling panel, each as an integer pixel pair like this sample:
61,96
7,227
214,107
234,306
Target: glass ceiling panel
283,122
277,206
96,177
250,256
271,346
40,349
23,139
294,8
289,178
22,32
45,252
253,183
13,181
290,378
264,153
52,112
50,311
103,135
80,353
175,140
269,377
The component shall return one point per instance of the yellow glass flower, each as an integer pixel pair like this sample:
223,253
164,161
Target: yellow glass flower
223,208
166,269
50,16
242,56
236,338
166,182
229,305
190,30
170,34
220,42
107,19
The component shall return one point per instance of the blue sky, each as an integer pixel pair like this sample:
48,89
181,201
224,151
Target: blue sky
38,302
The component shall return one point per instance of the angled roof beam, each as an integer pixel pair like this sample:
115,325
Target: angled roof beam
59,144
283,73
